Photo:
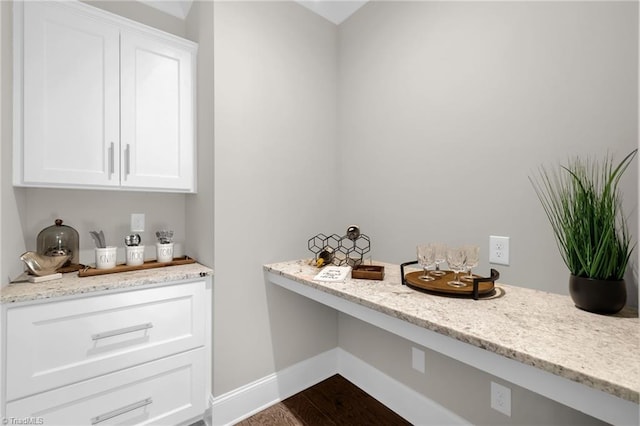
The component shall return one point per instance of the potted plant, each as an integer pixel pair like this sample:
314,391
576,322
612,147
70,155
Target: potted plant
584,205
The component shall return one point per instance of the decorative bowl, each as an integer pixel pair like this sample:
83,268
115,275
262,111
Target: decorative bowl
41,265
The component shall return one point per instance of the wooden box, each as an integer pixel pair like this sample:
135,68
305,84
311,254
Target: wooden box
368,272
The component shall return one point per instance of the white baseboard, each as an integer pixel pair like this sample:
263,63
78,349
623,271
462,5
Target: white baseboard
406,402
208,414
247,400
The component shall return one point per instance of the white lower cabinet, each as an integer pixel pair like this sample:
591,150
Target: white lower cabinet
160,392
131,357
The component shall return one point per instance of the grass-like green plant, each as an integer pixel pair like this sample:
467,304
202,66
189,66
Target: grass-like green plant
584,205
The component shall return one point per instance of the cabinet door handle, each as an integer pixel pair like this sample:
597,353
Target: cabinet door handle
127,161
119,411
111,154
120,331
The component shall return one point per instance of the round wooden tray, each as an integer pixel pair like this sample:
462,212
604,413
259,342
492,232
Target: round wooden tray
439,285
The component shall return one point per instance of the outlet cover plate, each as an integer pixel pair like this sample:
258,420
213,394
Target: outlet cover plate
499,250
501,398
137,222
417,359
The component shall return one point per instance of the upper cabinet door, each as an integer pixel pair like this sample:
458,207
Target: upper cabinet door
101,101
157,115
70,111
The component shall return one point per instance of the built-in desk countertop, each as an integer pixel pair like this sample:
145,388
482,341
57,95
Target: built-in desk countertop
536,329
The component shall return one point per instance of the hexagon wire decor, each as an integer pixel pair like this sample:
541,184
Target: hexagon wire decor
346,250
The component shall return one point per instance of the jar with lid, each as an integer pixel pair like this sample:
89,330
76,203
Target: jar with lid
59,240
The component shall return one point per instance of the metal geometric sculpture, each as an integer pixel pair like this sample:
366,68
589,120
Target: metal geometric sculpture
346,250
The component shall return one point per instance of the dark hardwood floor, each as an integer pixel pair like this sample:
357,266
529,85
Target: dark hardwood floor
334,401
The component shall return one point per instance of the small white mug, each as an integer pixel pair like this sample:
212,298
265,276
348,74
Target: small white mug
106,257
164,252
135,255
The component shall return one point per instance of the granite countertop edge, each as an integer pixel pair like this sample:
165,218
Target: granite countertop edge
70,284
618,390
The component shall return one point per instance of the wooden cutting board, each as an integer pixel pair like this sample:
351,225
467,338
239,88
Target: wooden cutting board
90,271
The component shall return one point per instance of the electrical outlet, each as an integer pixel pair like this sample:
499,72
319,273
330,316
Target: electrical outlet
501,398
499,250
417,359
137,222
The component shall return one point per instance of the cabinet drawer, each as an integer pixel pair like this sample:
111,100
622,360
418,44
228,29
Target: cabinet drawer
58,343
164,392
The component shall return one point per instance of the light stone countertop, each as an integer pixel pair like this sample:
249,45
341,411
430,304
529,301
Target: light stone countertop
70,284
537,328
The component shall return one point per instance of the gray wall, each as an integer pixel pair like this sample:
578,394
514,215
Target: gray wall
448,107
419,84
456,386
199,208
12,242
275,180
142,13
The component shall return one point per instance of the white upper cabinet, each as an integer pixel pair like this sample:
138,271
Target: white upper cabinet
157,112
101,101
70,98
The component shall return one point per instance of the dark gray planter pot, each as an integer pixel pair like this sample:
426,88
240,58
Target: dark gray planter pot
598,296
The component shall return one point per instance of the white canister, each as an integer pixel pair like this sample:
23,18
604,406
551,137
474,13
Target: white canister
164,252
106,257
135,255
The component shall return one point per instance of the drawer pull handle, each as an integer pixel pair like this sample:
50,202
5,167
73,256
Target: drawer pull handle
119,411
120,331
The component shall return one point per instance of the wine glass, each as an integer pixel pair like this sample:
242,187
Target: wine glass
426,258
440,256
473,258
456,259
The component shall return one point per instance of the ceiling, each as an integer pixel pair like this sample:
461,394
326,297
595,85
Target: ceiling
335,11
177,8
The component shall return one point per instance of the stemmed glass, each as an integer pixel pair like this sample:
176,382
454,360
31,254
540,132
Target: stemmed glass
456,259
473,258
440,250
426,258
